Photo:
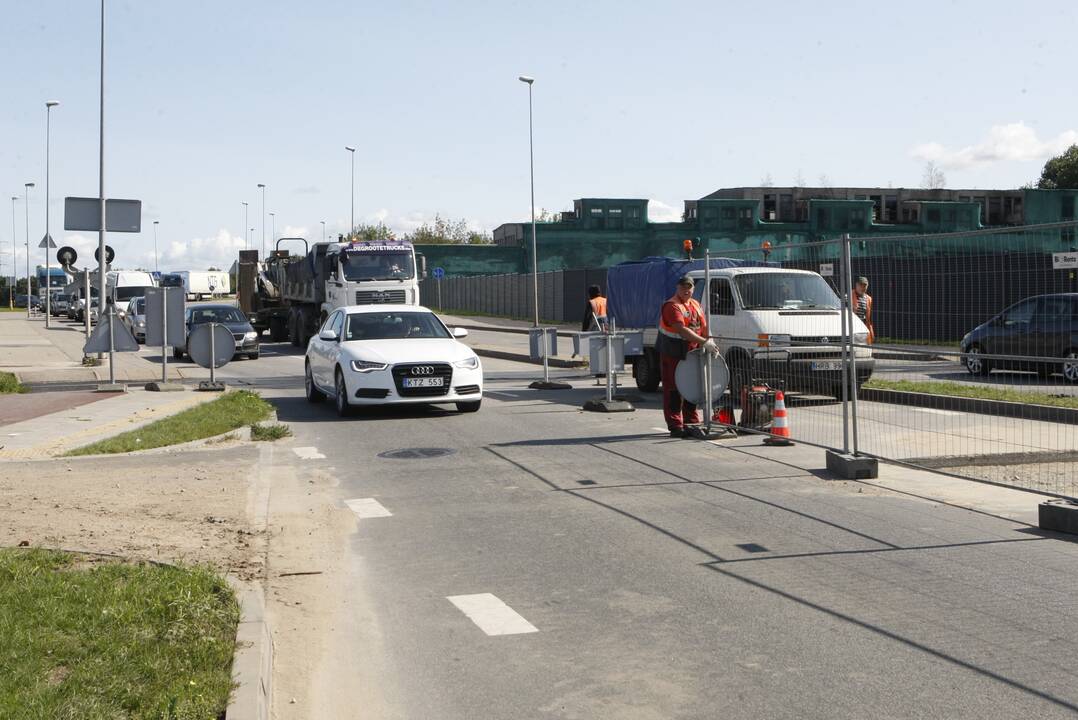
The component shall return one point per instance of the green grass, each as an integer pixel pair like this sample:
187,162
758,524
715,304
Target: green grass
974,391
270,432
9,384
949,344
228,412
112,640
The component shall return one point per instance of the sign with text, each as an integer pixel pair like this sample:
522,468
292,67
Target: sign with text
827,269
1064,260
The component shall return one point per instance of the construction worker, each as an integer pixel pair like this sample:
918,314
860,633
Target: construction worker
682,328
594,310
862,306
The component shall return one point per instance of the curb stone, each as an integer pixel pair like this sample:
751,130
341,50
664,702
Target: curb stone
252,663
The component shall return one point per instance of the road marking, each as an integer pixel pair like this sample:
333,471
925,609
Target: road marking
502,392
934,411
367,508
492,615
308,453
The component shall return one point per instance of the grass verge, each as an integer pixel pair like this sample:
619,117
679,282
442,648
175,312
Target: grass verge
949,344
111,639
9,384
228,412
931,387
270,432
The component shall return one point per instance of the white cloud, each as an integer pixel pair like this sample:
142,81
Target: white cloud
658,211
1015,141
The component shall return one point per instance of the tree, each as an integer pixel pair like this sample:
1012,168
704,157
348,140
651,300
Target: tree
767,181
933,177
1061,172
447,232
373,232
799,179
213,269
547,216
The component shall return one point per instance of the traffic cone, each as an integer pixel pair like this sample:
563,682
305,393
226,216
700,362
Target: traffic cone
780,425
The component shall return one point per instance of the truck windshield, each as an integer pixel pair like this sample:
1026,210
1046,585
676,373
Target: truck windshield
785,291
394,326
129,291
360,266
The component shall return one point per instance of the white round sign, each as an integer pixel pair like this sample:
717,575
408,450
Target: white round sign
688,378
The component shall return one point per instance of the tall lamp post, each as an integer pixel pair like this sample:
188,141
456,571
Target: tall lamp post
14,261
273,229
29,302
155,268
244,203
262,187
252,235
545,383
352,227
323,230
49,105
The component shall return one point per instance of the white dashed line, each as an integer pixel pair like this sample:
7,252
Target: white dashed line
492,615
934,411
308,453
367,508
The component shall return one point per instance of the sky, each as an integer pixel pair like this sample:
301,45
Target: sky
670,101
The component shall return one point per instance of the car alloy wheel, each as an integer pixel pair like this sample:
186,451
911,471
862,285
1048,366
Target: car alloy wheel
314,395
1070,367
341,398
975,364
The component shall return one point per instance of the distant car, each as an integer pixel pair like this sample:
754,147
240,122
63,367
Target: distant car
383,354
1037,328
58,304
20,301
134,316
245,336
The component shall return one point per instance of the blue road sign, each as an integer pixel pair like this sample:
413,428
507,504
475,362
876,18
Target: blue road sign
438,273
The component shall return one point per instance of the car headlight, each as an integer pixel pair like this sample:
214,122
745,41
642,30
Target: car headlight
860,338
141,323
467,363
365,366
250,335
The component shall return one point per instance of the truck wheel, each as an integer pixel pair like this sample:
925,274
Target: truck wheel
646,371
301,328
293,328
278,329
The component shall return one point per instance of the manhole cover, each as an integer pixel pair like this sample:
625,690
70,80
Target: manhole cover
416,453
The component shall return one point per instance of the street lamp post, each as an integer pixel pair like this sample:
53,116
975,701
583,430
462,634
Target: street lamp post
29,302
155,268
544,346
273,228
49,105
252,234
245,244
14,260
323,230
352,227
262,187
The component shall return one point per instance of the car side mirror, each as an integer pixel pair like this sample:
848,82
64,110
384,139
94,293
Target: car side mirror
328,336
460,332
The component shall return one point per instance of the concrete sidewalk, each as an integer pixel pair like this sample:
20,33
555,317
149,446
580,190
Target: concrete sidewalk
57,432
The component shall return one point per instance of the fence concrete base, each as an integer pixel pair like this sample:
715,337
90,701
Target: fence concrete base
601,404
852,467
1059,515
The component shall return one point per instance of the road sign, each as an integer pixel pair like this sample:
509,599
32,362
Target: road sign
827,269
211,344
46,242
438,273
85,214
173,323
122,339
66,255
110,254
1064,260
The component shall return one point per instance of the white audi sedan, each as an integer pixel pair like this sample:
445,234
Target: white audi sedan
388,354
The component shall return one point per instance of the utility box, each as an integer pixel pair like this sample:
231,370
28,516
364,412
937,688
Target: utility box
538,346
597,353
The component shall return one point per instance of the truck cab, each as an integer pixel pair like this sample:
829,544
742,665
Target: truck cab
367,273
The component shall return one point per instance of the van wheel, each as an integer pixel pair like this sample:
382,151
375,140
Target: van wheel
646,371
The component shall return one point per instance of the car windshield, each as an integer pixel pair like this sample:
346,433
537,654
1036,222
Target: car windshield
217,315
394,326
785,291
129,291
358,266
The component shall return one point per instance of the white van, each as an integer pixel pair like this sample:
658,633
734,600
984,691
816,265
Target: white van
771,323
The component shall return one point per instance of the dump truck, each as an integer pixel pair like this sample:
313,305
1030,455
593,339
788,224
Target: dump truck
290,295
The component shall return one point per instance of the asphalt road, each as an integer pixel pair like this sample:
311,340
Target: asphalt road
561,564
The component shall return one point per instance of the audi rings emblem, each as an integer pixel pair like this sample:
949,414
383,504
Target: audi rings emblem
423,370
825,340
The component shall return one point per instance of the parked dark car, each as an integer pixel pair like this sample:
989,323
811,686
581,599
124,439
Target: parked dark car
228,315
20,301
1038,328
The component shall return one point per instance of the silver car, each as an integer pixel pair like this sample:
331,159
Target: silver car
134,316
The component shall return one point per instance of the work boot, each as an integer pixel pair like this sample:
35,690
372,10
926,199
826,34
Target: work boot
677,432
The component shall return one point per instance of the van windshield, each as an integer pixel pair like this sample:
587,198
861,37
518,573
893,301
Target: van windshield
785,291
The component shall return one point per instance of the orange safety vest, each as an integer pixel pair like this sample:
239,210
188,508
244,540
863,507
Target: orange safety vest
598,306
692,317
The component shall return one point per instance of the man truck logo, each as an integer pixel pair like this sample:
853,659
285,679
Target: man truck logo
423,370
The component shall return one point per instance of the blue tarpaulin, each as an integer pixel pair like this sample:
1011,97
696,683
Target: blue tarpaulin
636,290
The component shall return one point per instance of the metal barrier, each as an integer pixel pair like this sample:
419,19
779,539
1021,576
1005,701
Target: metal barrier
562,294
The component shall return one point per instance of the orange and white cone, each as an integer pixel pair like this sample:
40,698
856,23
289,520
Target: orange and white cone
780,424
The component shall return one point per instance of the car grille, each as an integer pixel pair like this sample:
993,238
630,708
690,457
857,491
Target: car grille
817,340
379,297
372,393
467,389
238,336
441,370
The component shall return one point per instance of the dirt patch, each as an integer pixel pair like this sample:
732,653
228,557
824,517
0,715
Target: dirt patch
16,408
184,507
1052,477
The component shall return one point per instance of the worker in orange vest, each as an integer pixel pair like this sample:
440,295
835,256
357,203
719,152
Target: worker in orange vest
594,310
682,328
